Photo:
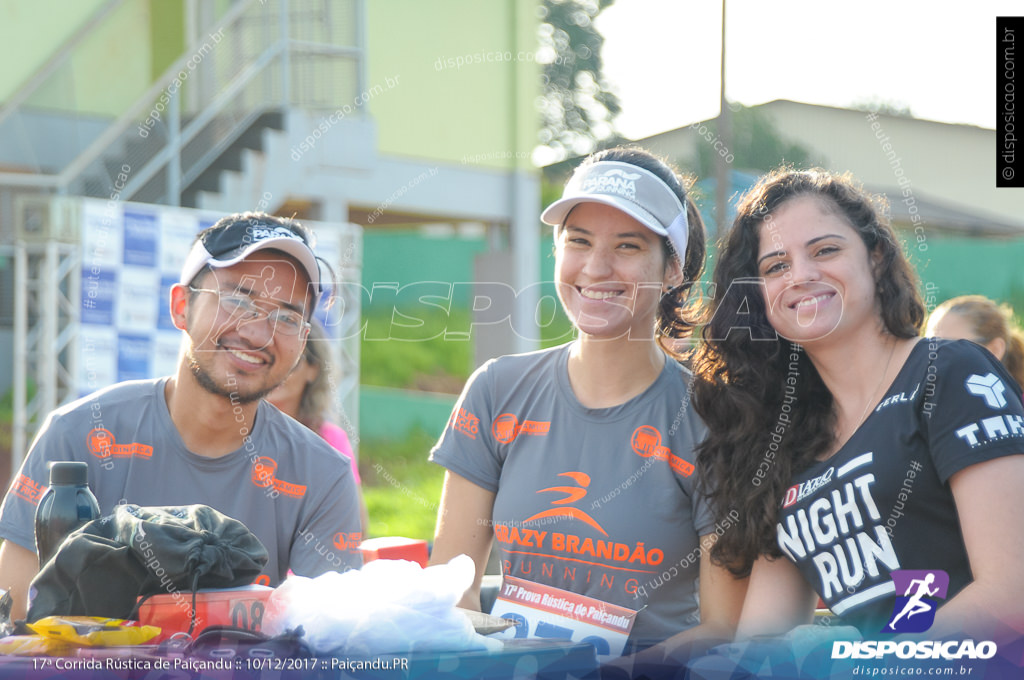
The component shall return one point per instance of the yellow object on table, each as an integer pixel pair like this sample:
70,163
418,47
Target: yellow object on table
94,631
35,645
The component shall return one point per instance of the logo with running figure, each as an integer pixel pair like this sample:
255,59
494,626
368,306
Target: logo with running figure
914,611
572,494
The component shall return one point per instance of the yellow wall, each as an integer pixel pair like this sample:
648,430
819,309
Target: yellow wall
110,69
478,113
946,163
29,31
426,106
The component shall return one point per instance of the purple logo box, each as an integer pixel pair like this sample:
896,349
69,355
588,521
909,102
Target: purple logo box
917,592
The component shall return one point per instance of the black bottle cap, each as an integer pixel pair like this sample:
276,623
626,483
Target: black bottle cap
69,473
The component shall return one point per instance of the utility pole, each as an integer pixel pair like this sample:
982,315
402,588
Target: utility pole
722,182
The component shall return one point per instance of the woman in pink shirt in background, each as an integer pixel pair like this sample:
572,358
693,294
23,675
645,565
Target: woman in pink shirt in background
307,394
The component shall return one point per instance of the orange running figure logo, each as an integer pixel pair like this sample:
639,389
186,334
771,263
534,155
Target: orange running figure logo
572,494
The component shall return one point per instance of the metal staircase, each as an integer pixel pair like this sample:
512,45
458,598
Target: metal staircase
235,80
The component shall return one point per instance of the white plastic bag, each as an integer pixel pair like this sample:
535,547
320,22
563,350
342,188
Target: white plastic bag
387,607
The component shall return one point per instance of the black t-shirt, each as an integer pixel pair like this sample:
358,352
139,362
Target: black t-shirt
883,501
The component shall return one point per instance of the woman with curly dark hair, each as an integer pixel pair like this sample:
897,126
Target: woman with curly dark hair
850,447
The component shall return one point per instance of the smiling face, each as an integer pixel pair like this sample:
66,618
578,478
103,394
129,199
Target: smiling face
235,357
817,271
610,270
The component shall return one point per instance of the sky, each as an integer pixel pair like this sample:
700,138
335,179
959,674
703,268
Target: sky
662,56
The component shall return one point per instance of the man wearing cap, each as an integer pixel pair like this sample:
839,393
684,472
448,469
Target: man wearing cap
204,435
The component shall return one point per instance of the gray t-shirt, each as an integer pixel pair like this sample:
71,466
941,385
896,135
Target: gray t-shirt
600,502
293,490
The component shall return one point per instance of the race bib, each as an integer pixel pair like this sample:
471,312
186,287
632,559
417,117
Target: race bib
542,611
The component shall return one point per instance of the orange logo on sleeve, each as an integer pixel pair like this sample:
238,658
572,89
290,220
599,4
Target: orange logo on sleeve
507,427
27,489
572,494
263,475
101,444
646,442
465,422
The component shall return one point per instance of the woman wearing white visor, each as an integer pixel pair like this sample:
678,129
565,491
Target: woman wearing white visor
578,460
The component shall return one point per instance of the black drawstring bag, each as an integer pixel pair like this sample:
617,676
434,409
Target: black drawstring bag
103,568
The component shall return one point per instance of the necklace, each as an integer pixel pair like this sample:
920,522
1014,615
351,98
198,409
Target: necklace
840,440
880,385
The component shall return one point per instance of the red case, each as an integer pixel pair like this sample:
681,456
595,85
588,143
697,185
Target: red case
242,607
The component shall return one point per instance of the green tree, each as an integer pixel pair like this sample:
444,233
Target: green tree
577,107
886,106
756,144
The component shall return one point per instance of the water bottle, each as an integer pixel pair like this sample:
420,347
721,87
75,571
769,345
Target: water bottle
66,505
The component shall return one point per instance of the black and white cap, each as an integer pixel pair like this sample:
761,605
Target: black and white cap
635,191
245,236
